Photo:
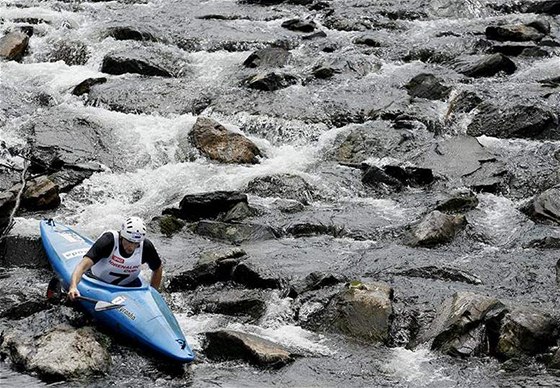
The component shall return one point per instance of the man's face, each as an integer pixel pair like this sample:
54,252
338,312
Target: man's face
129,246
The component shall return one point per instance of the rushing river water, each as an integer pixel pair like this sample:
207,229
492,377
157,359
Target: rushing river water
296,130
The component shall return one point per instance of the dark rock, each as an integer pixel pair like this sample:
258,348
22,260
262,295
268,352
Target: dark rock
25,309
233,302
270,82
285,186
551,7
315,35
194,207
215,142
520,121
526,332
459,203
441,273
516,33
368,41
535,52
234,345
436,228
130,33
13,46
253,277
466,324
427,55
427,86
374,176
237,213
118,64
267,58
555,362
235,233
212,267
316,280
323,72
491,177
542,26
288,205
410,176
309,229
485,66
22,251
544,243
546,206
85,86
73,175
299,25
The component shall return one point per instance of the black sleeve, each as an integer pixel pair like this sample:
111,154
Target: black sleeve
102,247
150,255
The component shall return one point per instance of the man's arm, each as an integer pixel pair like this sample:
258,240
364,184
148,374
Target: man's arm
82,267
156,277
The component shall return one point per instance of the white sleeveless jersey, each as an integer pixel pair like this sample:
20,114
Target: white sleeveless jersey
117,269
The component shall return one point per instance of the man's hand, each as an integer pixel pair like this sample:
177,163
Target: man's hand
73,293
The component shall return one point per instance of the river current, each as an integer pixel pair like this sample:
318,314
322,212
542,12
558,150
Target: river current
150,173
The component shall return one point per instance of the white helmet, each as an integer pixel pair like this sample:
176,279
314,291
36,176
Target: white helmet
133,229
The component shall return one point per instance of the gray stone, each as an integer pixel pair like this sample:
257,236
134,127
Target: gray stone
436,228
13,46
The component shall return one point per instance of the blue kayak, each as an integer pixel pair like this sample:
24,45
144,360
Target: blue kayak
143,315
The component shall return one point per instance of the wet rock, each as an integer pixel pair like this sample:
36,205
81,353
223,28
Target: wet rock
514,32
212,267
251,276
285,186
234,302
397,176
323,72
288,206
466,324
299,25
130,33
427,86
270,82
520,121
169,225
514,49
68,178
215,142
558,274
237,213
195,207
73,53
363,311
235,233
436,228
547,242
485,66
441,273
86,85
464,102
427,55
234,345
316,280
555,362
546,206
268,57
459,202
118,64
526,332
63,353
22,251
7,204
308,229
374,176
13,46
40,194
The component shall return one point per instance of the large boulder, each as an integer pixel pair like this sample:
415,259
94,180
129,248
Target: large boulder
436,228
41,194
13,46
520,121
230,344
427,86
466,324
526,332
214,141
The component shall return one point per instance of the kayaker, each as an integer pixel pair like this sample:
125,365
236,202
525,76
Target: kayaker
117,257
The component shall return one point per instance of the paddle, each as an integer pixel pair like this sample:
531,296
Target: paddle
56,294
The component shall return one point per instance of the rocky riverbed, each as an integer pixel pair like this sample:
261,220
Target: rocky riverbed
345,193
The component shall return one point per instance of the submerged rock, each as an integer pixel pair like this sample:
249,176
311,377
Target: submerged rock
86,85
284,186
235,345
235,233
485,66
216,142
442,273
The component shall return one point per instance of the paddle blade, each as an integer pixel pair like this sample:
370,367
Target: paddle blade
104,306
